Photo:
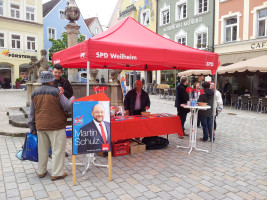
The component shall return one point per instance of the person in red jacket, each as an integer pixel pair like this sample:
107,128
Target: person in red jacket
196,93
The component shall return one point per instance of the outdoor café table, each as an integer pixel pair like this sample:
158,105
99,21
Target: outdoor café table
137,126
193,127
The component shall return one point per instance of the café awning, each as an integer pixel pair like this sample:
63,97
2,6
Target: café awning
250,66
194,73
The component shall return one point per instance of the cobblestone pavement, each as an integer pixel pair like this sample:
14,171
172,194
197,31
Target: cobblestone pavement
11,98
236,168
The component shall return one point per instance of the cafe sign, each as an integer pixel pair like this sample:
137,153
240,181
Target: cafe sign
183,24
14,55
258,45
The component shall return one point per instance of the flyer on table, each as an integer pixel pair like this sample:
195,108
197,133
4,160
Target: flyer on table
91,127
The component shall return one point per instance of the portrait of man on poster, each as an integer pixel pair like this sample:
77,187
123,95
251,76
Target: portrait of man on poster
95,136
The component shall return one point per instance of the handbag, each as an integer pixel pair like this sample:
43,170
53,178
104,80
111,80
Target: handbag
19,153
30,148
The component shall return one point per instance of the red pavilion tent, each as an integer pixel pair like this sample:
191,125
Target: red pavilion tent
130,46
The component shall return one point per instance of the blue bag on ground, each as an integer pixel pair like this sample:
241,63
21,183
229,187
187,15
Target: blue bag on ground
30,148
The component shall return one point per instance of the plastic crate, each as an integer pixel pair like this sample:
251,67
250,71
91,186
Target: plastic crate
120,148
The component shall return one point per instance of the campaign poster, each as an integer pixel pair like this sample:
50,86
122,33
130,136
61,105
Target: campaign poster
91,127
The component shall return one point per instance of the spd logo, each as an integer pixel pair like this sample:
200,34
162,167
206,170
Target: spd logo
78,120
82,55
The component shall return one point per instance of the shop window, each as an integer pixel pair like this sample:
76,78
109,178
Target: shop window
2,40
61,14
30,14
201,6
181,11
181,40
262,23
165,17
31,43
51,33
15,11
15,41
201,40
1,7
145,18
231,29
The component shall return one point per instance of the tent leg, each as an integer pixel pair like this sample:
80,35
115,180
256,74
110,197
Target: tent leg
88,79
214,110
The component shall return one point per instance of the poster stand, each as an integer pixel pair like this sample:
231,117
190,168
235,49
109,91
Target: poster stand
91,156
90,159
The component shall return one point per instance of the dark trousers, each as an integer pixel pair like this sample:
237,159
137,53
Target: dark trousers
182,116
206,123
215,124
137,112
198,119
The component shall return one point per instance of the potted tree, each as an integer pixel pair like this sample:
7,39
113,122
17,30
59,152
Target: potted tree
18,81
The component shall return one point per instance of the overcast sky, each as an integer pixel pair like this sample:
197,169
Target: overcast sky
102,9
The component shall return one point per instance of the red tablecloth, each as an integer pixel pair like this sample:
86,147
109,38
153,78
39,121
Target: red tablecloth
127,127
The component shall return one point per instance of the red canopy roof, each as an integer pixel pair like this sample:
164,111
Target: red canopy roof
130,46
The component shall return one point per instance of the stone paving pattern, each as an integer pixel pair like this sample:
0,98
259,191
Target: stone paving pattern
236,168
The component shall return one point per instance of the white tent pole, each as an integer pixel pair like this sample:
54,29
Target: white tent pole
214,109
88,78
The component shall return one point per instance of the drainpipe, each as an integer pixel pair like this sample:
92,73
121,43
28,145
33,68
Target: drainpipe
213,22
157,2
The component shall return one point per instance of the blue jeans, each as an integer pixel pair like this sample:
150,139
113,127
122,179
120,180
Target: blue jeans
206,123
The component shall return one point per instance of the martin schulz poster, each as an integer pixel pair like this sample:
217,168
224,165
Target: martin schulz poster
91,125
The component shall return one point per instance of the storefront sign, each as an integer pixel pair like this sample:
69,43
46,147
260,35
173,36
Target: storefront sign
258,45
183,24
14,55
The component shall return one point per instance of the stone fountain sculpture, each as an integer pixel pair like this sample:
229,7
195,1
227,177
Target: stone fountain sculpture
93,74
33,71
72,12
42,64
114,75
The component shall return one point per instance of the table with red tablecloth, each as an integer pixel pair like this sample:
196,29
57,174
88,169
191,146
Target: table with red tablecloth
127,127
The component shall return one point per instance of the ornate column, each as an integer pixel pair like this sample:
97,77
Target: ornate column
72,13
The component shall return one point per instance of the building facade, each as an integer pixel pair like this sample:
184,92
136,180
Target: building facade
54,22
241,34
95,28
94,25
188,22
21,36
144,12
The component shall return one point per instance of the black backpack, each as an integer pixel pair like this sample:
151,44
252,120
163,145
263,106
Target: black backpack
155,142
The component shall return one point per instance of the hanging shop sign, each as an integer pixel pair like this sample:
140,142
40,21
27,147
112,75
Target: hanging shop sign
183,24
14,55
